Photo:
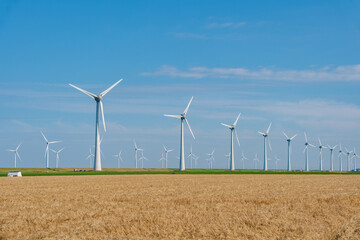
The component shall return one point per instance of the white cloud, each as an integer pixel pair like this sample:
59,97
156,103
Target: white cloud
340,73
226,25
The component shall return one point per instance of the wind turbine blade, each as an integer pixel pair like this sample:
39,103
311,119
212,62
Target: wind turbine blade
268,128
18,156
86,92
189,128
135,145
107,90
293,137
54,142
18,146
329,146
187,108
320,142
43,136
237,119
170,150
102,115
60,150
306,139
164,148
334,146
237,138
226,125
53,150
285,135
305,148
261,133
173,116
11,150
311,145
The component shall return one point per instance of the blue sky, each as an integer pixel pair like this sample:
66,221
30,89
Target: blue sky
295,64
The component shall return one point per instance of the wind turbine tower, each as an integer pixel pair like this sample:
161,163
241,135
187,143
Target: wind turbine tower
47,149
332,157
266,137
232,130
211,158
57,156
136,151
166,155
348,159
341,152
243,158
182,118
90,157
320,149
289,149
306,151
119,158
16,154
99,108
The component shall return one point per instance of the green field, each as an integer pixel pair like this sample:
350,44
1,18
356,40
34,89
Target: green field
131,171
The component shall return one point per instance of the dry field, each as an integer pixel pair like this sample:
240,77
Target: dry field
181,207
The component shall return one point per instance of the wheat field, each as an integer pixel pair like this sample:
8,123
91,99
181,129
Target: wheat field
181,207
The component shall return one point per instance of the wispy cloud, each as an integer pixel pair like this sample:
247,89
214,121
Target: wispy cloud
225,25
339,73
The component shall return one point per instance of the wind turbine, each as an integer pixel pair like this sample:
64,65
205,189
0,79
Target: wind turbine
166,155
320,149
355,156
211,158
136,151
332,157
256,159
142,158
47,149
16,154
182,117
162,159
232,130
341,152
348,158
99,108
289,149
243,158
119,158
266,136
192,156
306,151
90,157
228,159
276,162
57,156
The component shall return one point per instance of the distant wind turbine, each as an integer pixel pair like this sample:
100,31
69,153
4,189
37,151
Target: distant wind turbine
142,158
47,149
192,156
182,117
256,160
341,152
166,155
266,136
16,153
119,158
306,151
136,156
162,160
243,158
332,157
348,159
90,157
289,149
232,130
57,156
228,159
211,158
99,108
276,162
320,149
355,156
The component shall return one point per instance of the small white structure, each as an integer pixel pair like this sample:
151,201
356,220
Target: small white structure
14,174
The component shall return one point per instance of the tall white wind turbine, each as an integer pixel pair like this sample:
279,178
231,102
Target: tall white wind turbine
289,149
320,149
306,151
99,108
332,157
162,160
47,149
57,156
232,130
348,159
166,155
182,117
119,158
355,156
136,151
341,152
266,136
16,153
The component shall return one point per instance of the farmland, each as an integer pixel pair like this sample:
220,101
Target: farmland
174,206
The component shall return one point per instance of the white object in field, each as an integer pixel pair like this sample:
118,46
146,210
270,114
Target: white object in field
243,158
341,152
192,157
232,130
211,159
166,155
14,174
355,156
256,159
332,157
47,149
321,160
90,157
266,136
16,154
136,151
348,159
182,117
119,158
306,151
289,149
57,156
99,108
